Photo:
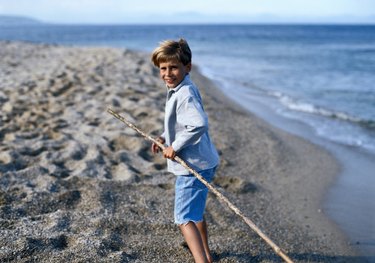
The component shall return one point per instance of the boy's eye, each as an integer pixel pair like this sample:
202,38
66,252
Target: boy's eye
170,68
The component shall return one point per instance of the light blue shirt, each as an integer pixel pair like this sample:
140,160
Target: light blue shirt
186,129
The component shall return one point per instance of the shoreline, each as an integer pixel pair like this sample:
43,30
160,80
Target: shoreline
350,213
309,209
76,185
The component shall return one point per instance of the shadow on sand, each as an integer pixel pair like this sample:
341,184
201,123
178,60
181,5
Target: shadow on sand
306,257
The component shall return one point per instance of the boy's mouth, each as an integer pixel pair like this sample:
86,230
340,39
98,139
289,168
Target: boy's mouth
169,81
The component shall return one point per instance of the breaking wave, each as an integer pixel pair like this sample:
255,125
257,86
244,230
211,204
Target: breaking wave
296,105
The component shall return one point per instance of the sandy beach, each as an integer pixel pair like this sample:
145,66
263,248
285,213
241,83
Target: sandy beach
77,185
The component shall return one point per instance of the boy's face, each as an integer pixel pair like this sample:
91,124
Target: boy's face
173,72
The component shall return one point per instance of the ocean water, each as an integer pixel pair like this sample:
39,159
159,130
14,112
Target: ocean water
317,80
320,75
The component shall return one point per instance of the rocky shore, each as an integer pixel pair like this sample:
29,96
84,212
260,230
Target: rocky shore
76,185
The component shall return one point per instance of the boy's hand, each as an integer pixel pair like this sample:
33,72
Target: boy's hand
169,152
154,147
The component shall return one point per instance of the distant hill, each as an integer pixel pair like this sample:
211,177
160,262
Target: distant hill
17,20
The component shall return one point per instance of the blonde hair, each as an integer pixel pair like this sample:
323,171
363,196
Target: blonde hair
172,50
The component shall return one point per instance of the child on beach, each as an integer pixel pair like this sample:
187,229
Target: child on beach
186,135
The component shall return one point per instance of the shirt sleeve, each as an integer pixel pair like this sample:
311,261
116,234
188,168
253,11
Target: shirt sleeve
192,122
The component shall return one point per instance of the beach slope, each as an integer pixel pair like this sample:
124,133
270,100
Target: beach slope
76,185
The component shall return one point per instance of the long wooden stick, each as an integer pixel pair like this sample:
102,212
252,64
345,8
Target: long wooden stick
209,186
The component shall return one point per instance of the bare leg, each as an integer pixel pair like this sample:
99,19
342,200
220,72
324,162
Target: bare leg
202,228
194,241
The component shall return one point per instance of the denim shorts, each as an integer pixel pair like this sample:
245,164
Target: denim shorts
190,197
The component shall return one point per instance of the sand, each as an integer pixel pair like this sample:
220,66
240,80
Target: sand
76,185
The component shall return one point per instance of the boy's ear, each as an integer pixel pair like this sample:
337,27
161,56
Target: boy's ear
188,67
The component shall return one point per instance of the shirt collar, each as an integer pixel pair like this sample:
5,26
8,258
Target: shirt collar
182,83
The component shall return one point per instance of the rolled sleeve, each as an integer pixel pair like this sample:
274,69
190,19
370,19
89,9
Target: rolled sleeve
163,135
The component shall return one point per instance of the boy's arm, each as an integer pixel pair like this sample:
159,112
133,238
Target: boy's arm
154,147
192,117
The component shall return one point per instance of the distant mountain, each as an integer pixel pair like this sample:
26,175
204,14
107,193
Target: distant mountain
17,20
224,18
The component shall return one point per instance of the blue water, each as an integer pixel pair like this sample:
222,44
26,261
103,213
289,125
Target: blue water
322,77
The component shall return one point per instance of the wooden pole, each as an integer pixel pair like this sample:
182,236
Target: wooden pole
221,197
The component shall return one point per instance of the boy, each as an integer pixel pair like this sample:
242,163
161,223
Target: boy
186,134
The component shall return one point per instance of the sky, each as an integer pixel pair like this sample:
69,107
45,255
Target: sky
191,11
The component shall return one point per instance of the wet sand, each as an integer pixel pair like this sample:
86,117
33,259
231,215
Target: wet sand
76,185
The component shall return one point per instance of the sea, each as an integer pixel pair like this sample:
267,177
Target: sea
315,81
